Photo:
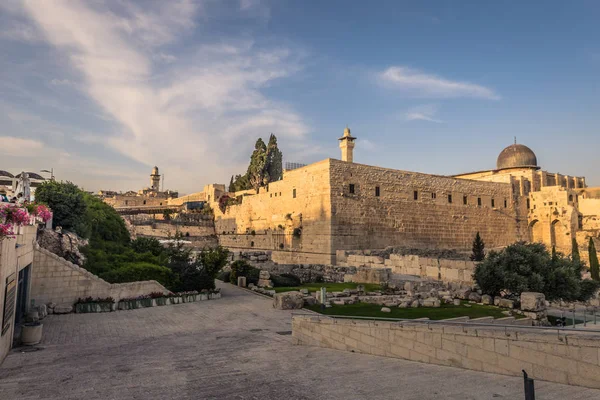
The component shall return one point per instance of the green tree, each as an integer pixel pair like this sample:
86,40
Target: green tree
575,256
256,170
594,266
529,267
139,271
67,203
274,164
478,253
231,187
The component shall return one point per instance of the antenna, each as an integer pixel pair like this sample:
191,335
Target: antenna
515,140
163,182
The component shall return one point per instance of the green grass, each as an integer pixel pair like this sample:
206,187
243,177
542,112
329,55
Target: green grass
443,312
331,287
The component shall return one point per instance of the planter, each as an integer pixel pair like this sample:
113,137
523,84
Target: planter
176,300
95,307
145,303
162,301
203,296
128,304
189,298
31,333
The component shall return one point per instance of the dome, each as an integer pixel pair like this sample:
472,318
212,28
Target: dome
32,175
155,171
516,156
7,174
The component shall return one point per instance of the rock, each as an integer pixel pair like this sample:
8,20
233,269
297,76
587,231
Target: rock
431,302
447,299
309,301
264,274
506,303
288,301
386,310
63,309
497,300
360,288
415,304
487,299
463,294
456,302
408,286
251,286
474,296
533,301
304,291
265,283
262,257
507,313
391,304
404,304
444,293
468,305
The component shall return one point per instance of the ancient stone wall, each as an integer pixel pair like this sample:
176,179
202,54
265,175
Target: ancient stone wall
59,281
291,215
457,271
551,355
375,207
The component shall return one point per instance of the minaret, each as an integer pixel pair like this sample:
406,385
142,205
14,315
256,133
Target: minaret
155,180
347,145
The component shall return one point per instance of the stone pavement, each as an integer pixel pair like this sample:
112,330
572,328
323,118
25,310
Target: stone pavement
229,348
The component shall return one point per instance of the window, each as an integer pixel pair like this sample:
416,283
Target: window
351,188
479,201
570,197
449,198
275,194
529,204
294,193
144,201
505,203
126,201
271,195
465,200
377,191
493,203
433,195
416,195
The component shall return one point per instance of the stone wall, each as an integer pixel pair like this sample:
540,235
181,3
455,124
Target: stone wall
458,271
268,219
15,255
565,356
399,208
310,272
59,281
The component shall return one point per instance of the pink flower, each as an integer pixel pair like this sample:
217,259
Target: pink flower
6,231
43,213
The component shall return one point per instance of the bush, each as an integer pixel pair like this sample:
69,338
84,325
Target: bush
242,268
285,280
140,271
529,267
67,203
224,276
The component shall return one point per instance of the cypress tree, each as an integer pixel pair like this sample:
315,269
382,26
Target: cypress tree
575,254
274,165
594,266
478,249
256,170
231,185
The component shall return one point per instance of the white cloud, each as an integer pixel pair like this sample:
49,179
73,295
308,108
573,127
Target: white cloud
423,113
367,144
198,119
61,82
13,146
415,82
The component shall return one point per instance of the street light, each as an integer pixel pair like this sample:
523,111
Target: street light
51,172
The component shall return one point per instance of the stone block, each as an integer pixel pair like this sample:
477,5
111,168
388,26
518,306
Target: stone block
487,299
386,310
533,301
241,281
288,301
506,303
474,296
63,309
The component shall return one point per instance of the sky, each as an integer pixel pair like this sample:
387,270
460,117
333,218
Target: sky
103,90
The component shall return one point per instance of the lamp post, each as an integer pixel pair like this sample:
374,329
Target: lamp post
51,172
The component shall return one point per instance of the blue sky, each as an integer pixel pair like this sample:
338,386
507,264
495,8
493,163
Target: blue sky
103,90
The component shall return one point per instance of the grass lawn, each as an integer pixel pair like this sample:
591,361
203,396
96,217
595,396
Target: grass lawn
331,287
443,312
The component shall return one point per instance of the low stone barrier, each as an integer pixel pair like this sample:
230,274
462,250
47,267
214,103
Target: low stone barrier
561,356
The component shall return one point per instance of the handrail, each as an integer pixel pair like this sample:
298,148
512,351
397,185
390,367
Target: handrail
446,322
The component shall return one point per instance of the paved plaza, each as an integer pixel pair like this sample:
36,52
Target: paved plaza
232,348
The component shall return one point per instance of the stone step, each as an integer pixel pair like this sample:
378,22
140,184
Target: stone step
482,320
523,322
457,319
504,321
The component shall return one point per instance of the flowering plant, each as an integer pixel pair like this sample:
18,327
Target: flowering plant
6,231
13,214
43,213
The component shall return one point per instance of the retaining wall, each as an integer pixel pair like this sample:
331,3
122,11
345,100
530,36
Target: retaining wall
459,271
56,280
565,357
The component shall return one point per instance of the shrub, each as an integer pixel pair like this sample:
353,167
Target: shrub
529,267
478,253
285,280
139,271
242,268
224,276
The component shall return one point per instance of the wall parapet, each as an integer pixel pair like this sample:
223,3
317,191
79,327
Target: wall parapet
59,281
556,355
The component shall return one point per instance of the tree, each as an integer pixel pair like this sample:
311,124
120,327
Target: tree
231,187
67,203
575,254
256,170
594,267
274,164
478,249
529,267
